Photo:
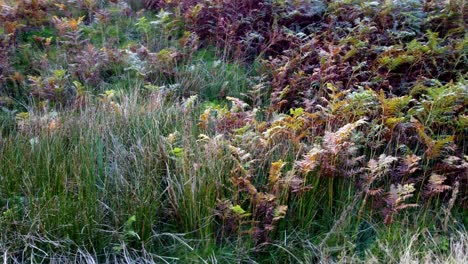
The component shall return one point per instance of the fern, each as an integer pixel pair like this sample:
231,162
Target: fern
393,107
395,201
434,148
408,166
440,103
436,185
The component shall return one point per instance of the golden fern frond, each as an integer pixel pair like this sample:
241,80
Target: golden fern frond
334,142
275,172
434,147
392,106
395,201
379,167
409,165
311,160
436,185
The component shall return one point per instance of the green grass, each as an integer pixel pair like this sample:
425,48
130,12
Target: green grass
80,183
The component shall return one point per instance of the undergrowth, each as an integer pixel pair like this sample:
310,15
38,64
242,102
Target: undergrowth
233,131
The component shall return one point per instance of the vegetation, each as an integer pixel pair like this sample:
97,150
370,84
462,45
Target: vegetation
233,131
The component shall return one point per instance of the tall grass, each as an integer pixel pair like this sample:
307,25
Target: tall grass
135,175
80,177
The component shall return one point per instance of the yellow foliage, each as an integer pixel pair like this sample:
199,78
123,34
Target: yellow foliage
275,171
